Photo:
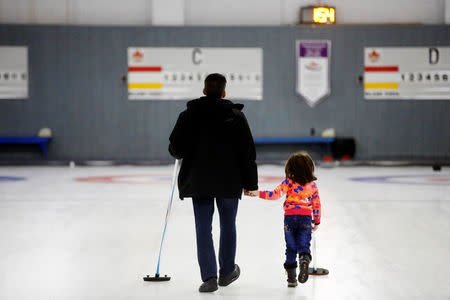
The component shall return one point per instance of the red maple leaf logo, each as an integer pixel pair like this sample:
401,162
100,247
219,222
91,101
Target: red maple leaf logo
374,56
137,56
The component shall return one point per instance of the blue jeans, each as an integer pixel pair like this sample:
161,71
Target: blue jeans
203,212
297,233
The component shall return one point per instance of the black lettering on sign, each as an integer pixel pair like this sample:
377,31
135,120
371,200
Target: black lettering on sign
419,77
433,56
197,56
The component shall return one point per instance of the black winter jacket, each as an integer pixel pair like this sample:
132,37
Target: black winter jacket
213,138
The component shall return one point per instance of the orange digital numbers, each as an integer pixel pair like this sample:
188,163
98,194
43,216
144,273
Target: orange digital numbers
324,15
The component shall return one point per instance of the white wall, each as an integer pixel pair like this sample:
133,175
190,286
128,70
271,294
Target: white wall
217,12
93,12
276,12
234,12
168,12
44,11
447,11
129,12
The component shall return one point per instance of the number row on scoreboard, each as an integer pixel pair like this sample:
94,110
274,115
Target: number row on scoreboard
189,77
425,77
13,76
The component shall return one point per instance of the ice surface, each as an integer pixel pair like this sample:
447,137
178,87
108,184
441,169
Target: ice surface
67,239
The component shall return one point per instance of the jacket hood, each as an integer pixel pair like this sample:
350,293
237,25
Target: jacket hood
212,104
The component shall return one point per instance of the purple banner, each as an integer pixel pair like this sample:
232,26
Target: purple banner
313,70
313,49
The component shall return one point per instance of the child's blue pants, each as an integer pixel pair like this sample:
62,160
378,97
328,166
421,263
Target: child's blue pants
297,233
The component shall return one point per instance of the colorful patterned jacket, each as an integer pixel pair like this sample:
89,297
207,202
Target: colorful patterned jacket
300,200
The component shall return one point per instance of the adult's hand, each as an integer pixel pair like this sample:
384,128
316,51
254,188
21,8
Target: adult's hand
254,193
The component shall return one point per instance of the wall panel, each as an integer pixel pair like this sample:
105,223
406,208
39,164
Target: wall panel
76,89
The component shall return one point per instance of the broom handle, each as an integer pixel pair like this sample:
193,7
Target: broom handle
169,207
314,252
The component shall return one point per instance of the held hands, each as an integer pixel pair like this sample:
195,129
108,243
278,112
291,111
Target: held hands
251,193
315,227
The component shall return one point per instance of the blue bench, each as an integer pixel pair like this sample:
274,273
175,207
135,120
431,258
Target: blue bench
308,140
42,142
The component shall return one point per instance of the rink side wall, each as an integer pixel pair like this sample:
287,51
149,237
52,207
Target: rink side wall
76,90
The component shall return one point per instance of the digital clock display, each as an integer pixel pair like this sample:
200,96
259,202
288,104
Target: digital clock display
318,15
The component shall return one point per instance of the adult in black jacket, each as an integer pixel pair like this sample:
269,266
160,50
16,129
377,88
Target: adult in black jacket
214,140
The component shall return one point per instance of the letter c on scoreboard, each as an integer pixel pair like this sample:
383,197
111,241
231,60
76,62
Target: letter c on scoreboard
197,56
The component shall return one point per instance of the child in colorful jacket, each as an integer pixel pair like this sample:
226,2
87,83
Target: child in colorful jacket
302,201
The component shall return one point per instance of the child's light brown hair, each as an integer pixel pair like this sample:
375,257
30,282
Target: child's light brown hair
300,168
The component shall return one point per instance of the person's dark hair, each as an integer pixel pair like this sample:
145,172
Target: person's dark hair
215,85
300,168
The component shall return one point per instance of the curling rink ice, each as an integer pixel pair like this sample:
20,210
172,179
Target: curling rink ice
94,232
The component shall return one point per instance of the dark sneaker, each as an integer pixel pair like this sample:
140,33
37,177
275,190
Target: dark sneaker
208,286
226,280
304,266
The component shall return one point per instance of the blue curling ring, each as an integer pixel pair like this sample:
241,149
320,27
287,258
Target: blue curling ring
11,178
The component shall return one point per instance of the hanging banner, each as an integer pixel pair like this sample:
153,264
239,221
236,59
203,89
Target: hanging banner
179,73
313,70
419,73
13,72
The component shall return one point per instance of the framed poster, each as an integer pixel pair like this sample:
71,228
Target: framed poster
157,73
420,73
13,72
313,70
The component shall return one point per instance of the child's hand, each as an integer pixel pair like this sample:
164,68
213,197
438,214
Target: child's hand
251,193
315,227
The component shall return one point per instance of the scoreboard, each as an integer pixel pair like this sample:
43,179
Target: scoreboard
407,73
13,72
158,73
318,15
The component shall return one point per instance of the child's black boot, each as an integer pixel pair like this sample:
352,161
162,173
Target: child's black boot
291,272
304,260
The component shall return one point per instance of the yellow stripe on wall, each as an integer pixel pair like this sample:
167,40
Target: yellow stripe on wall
381,85
145,85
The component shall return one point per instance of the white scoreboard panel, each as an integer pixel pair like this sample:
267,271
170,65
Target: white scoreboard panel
407,73
157,73
13,72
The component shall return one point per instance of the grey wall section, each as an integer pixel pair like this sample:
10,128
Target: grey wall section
76,90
